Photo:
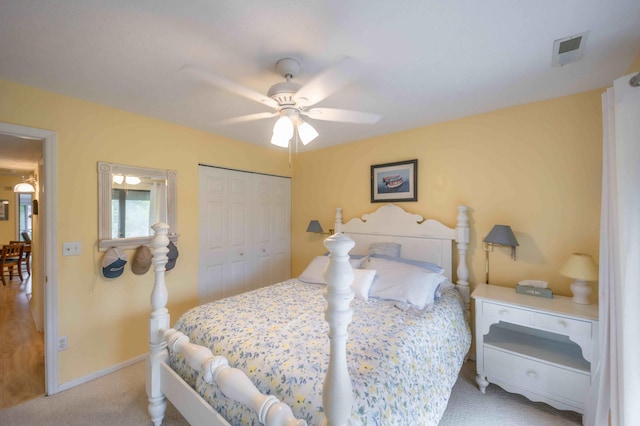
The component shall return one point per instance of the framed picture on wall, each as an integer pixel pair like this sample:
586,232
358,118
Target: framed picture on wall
4,209
394,182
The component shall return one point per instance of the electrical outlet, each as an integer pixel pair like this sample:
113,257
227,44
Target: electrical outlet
63,343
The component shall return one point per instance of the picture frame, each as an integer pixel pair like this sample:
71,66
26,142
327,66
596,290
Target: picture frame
4,209
394,182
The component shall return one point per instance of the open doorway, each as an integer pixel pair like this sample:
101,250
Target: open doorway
31,224
22,376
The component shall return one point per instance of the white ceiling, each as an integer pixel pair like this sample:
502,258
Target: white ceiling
425,61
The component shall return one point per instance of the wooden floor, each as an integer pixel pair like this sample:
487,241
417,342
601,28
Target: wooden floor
21,346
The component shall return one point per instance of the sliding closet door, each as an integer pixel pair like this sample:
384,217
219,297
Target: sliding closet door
273,225
244,231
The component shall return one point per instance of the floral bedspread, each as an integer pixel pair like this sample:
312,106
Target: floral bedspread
402,363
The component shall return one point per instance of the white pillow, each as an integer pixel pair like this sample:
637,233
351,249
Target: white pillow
357,261
362,280
404,283
314,272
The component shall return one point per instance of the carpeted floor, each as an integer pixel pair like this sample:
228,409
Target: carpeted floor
497,407
120,399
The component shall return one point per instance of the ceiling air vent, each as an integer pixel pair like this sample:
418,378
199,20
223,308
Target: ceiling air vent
569,49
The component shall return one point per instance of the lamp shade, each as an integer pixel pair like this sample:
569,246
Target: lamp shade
24,187
306,132
580,266
503,235
314,226
282,131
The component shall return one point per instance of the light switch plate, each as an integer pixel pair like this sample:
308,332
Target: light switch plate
71,249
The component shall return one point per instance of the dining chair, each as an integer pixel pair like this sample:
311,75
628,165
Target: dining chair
10,259
25,260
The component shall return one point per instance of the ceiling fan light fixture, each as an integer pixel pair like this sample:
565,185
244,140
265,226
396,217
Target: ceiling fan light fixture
279,141
306,132
282,132
283,129
289,100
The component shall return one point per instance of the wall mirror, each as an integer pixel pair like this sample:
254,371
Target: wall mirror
131,199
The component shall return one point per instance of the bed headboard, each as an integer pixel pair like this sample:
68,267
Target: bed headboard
426,240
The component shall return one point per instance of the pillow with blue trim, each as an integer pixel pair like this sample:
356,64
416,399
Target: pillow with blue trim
404,282
420,264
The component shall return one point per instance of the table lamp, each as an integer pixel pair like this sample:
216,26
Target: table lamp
314,226
500,235
581,268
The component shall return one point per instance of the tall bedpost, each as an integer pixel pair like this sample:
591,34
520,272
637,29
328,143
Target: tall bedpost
158,322
462,241
337,391
337,223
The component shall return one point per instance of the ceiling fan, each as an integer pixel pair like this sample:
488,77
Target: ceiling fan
291,101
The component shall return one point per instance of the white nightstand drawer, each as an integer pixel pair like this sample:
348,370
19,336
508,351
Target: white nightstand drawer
563,325
507,313
539,377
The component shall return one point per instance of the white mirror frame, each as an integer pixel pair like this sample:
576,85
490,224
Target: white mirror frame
105,172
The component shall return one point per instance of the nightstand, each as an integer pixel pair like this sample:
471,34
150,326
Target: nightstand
544,349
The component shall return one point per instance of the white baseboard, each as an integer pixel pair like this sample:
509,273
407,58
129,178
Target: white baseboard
34,314
98,374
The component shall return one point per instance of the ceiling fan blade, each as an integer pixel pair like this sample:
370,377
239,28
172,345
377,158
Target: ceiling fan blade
342,115
328,82
245,118
220,82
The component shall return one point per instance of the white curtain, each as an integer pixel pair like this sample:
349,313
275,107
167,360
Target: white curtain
614,397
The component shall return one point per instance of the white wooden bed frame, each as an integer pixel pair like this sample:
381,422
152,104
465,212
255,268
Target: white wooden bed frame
425,240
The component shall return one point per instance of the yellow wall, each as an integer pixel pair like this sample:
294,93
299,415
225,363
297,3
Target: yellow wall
106,320
535,167
8,227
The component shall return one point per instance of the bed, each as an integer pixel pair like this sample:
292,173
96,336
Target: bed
328,347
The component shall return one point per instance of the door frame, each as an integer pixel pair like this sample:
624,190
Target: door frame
50,236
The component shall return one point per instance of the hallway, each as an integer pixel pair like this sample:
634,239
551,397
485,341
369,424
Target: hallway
21,346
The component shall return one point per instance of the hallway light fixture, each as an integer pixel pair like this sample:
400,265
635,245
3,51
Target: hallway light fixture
24,186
